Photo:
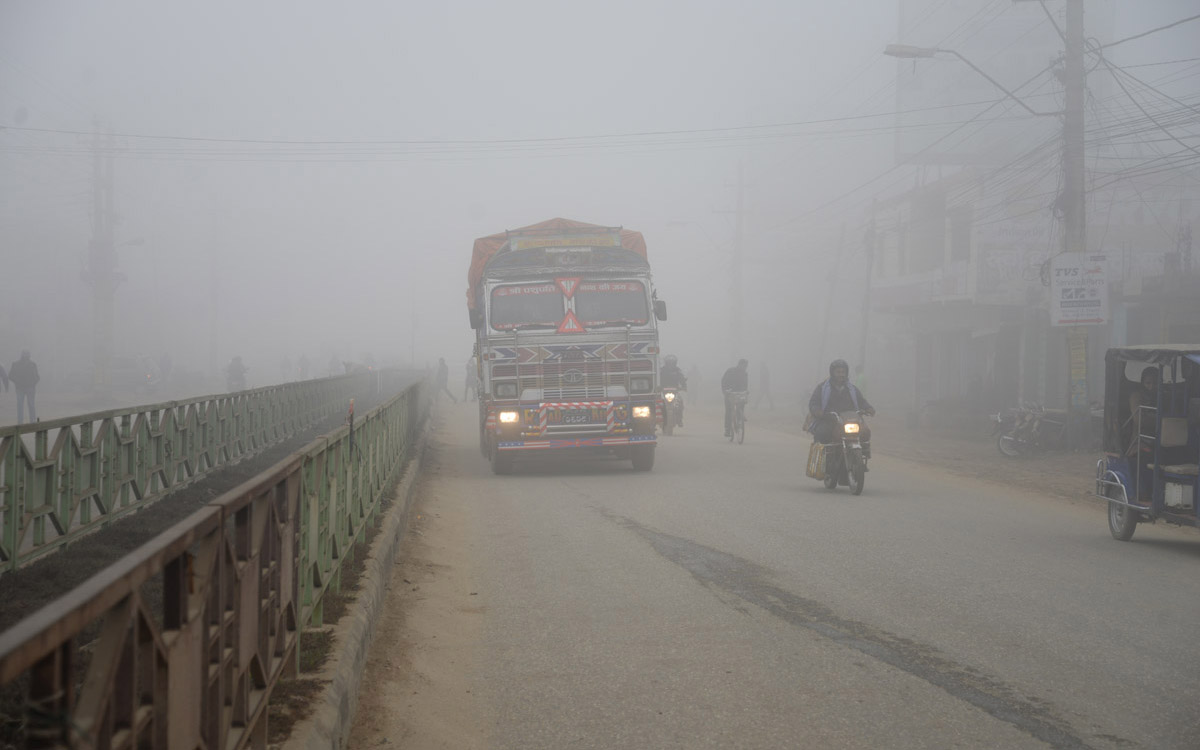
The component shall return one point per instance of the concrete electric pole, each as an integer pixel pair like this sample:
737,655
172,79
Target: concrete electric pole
101,273
1073,211
735,276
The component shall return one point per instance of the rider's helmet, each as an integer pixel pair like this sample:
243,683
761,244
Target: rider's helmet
838,363
671,360
742,363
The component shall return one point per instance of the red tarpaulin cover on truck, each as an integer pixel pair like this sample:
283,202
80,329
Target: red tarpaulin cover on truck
486,247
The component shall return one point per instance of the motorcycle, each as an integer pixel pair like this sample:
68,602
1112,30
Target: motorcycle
672,409
1028,430
235,382
846,457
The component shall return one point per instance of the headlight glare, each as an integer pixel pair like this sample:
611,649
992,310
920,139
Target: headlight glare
508,417
641,412
850,429
669,396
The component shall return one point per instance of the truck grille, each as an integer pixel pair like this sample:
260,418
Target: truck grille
573,381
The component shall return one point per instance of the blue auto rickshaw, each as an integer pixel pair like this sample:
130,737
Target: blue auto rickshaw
1151,436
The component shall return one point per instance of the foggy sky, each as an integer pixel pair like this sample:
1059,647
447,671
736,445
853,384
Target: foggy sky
348,249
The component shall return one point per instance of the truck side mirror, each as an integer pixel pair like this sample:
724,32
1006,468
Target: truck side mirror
476,318
660,309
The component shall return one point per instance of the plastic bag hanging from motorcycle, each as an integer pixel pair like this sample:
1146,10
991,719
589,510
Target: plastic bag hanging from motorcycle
816,461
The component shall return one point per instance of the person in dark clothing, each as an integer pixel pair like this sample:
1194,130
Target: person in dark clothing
735,380
443,378
471,380
24,376
671,376
834,395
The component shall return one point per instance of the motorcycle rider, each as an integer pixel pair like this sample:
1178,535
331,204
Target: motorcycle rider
735,380
671,376
837,394
235,374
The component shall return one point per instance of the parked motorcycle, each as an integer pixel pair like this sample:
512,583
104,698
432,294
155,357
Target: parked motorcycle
1029,430
672,410
845,459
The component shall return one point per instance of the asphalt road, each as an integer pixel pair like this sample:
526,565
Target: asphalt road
724,600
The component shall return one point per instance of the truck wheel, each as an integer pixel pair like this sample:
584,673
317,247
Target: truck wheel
643,457
502,461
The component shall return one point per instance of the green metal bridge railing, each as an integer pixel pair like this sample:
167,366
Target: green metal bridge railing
65,478
238,581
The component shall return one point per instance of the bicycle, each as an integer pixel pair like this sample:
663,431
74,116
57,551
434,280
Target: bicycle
738,432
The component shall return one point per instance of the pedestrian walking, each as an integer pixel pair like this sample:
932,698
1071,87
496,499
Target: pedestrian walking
443,378
471,382
24,376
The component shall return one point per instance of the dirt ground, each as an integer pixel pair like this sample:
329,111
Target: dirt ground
418,665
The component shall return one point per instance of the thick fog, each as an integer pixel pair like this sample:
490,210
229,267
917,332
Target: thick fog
306,179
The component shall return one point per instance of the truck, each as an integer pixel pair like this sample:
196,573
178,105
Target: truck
566,319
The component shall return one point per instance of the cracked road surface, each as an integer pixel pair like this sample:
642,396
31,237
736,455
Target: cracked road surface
724,600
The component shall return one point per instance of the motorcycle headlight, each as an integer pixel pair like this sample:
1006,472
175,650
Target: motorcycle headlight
669,397
641,412
850,429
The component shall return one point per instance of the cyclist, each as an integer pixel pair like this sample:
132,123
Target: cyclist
735,380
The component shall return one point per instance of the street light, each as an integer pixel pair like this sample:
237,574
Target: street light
1073,189
910,52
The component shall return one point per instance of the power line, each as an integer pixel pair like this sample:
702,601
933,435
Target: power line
1143,109
1164,62
1148,33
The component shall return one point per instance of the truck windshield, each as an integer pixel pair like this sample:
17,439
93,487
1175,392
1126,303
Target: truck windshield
522,305
611,302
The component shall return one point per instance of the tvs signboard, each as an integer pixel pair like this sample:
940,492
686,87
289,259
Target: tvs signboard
1078,289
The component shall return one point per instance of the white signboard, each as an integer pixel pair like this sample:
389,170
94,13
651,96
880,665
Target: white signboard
1078,289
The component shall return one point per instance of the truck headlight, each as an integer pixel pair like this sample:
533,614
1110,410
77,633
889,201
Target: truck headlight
506,390
850,429
639,385
669,396
641,412
508,417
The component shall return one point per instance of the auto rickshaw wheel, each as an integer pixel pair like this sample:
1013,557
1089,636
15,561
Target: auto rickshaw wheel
1122,520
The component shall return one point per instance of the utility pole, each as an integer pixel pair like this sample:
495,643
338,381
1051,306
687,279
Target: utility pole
214,303
869,252
1073,202
1074,226
735,276
101,273
829,297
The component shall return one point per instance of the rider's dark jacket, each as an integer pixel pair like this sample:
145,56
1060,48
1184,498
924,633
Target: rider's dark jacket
673,377
735,380
827,398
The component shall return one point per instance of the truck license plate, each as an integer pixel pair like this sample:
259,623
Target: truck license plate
576,417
